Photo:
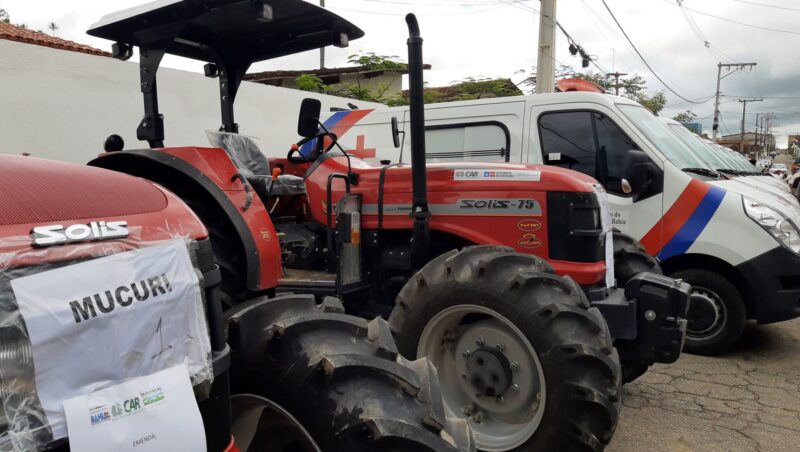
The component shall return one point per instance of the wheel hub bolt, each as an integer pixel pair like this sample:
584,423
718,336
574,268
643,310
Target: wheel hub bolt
500,346
478,417
515,387
468,409
466,354
499,400
479,342
649,315
515,366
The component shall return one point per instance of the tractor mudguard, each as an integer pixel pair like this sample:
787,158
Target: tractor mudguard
208,182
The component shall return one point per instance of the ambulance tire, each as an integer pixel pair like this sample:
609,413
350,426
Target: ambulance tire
630,259
341,378
713,297
511,310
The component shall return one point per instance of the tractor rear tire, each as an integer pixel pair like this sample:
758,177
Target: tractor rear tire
521,355
340,377
630,259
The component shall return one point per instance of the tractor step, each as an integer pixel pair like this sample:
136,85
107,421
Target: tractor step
307,279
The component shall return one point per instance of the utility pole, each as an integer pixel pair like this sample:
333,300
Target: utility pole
757,143
616,76
545,60
322,49
744,109
727,66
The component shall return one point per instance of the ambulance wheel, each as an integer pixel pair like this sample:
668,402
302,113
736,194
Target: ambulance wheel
630,259
521,355
716,316
339,377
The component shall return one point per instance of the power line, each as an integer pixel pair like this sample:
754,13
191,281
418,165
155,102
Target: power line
767,6
586,58
644,60
760,27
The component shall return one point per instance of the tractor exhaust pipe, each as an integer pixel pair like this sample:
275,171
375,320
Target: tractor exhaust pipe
419,205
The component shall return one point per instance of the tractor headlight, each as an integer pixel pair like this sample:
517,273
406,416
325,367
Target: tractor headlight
774,222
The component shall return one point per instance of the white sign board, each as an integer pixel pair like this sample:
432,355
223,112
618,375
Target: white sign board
104,321
153,413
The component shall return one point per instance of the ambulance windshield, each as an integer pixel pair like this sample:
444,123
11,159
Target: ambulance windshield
657,132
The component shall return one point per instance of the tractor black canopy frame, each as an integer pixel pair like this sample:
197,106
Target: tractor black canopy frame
229,35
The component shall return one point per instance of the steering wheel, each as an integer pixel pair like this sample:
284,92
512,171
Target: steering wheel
295,149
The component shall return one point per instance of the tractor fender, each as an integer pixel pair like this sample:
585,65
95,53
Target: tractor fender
253,230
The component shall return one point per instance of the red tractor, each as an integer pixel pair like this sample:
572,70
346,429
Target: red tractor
105,277
318,379
500,274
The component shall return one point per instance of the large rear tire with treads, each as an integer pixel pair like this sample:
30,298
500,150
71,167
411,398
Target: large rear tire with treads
521,355
340,377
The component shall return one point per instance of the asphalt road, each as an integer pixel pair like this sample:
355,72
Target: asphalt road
746,400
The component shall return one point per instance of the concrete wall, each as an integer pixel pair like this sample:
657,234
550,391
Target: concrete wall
62,105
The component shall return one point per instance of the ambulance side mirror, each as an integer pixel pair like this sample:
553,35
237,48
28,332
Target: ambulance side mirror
395,133
638,171
308,120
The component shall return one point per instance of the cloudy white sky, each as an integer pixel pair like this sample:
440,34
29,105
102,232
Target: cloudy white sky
497,38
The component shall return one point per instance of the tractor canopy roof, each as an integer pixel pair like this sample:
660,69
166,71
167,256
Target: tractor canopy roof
238,32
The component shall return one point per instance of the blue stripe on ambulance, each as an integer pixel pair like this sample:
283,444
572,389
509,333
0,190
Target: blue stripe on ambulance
329,124
690,230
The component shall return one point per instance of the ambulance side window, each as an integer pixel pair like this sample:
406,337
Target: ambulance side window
586,141
568,140
487,141
612,147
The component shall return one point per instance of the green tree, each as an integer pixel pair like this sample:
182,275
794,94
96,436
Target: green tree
685,117
4,17
310,82
634,87
375,62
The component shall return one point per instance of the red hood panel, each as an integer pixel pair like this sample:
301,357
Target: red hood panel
41,191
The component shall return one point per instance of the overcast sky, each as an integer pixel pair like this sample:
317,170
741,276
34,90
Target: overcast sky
497,38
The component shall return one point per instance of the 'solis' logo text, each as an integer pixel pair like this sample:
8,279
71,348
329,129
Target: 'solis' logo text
56,234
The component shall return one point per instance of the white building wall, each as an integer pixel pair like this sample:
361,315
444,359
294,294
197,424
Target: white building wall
62,105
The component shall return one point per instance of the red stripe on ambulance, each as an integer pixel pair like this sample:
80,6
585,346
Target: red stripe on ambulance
677,215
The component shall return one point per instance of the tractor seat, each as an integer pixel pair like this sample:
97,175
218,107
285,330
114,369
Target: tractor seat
245,152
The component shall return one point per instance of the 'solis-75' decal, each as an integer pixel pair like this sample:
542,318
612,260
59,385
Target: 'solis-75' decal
467,206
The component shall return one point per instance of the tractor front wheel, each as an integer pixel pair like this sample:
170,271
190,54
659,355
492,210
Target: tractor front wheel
521,355
333,381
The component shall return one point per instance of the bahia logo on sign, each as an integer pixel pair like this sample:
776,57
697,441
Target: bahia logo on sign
99,414
56,234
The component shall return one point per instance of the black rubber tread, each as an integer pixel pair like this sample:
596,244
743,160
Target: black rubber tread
340,376
630,259
730,296
571,339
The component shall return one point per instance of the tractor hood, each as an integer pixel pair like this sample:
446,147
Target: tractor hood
57,206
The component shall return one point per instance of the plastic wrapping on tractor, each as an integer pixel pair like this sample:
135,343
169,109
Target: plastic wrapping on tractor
25,376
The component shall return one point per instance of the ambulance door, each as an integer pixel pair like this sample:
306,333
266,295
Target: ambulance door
594,141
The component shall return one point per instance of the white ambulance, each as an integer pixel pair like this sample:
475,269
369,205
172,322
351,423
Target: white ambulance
737,245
